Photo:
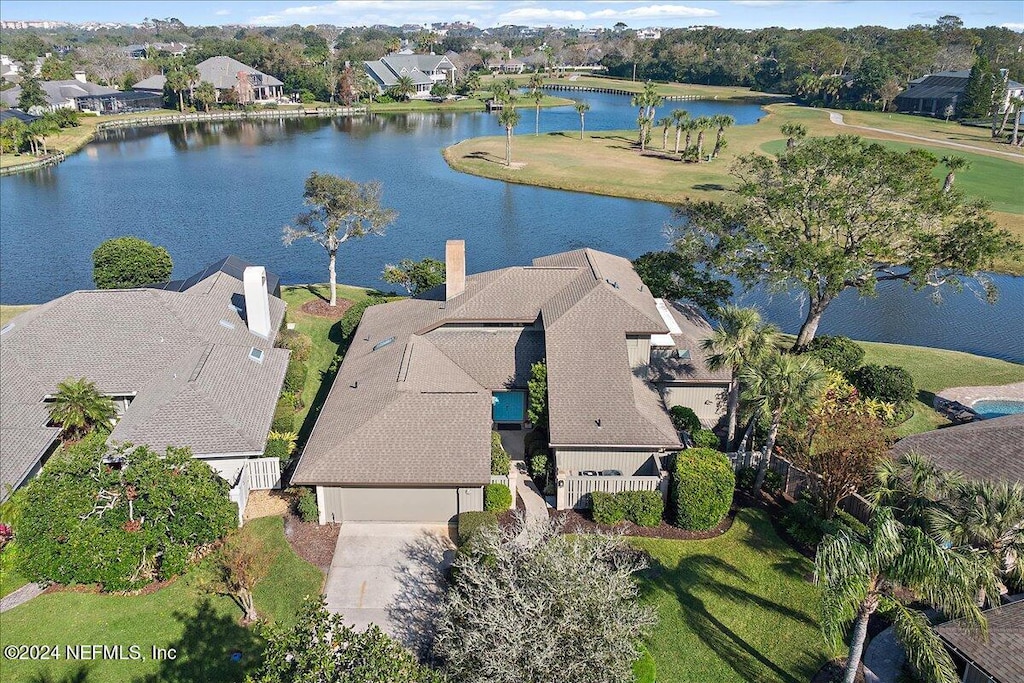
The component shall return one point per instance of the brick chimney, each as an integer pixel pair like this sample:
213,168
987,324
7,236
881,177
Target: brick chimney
454,268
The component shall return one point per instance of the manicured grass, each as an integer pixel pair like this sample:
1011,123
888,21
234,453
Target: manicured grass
936,369
8,312
713,92
478,102
10,578
737,608
930,128
202,627
608,163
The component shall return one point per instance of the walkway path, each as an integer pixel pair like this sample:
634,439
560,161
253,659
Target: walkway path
20,596
533,500
837,119
884,658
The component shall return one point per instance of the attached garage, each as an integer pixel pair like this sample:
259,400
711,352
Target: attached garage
707,400
358,504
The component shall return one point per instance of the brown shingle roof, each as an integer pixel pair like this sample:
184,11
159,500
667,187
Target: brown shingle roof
385,420
1000,656
985,449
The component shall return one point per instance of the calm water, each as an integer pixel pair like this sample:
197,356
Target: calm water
207,190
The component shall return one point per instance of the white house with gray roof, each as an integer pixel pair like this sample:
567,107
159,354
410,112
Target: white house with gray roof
424,70
189,364
405,432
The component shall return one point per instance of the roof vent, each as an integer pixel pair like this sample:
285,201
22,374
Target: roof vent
6,328
227,324
383,342
598,422
354,385
256,354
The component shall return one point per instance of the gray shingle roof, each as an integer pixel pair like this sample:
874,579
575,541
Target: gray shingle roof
418,410
985,449
192,380
58,92
666,363
221,71
1000,655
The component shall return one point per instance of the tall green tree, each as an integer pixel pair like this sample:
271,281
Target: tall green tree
776,383
39,129
741,339
509,118
205,95
843,213
721,122
670,275
860,577
701,124
415,276
953,164
679,117
127,262
31,95
12,135
913,487
177,82
978,98
647,102
582,108
403,89
665,122
339,210
78,408
794,132
537,95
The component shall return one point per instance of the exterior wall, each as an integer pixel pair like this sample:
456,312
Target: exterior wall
639,350
227,467
352,504
627,462
707,400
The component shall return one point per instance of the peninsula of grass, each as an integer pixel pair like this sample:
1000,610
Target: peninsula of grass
203,628
739,608
609,163
477,102
689,90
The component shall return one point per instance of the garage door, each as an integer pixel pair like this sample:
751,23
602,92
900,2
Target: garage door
399,504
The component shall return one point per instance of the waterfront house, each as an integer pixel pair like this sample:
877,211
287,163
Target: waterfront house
933,93
424,70
78,93
188,363
990,449
506,66
225,73
405,432
994,658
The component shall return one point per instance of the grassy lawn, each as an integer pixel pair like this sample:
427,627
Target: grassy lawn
203,628
711,92
734,608
937,369
10,578
607,163
929,128
476,103
8,312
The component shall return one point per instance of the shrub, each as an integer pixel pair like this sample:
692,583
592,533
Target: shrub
280,445
87,521
301,345
306,506
539,465
802,521
745,478
890,383
469,522
500,461
295,376
537,390
125,262
643,508
497,498
705,438
350,321
284,417
606,508
702,488
684,419
839,353
644,669
772,482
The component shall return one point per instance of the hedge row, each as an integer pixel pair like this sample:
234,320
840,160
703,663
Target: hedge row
643,508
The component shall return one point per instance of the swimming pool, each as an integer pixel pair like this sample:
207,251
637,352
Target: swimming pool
988,409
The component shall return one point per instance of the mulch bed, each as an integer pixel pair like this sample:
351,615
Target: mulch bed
310,541
323,309
833,672
574,522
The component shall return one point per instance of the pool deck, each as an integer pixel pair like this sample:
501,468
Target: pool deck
968,395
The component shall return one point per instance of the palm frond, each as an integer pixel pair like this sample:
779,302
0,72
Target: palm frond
925,651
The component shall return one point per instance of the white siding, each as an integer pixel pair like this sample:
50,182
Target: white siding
639,350
707,400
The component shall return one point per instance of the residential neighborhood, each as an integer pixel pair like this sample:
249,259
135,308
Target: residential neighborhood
512,342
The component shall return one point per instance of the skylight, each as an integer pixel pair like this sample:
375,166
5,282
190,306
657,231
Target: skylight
256,354
383,342
229,325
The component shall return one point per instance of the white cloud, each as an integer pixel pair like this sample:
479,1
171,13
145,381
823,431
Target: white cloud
527,15
655,12
608,15
222,12
1013,25
759,3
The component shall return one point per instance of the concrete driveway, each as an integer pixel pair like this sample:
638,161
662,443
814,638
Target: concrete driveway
392,575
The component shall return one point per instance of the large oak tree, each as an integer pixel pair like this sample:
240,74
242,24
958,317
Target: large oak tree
843,213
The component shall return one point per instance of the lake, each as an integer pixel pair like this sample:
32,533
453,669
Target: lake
207,190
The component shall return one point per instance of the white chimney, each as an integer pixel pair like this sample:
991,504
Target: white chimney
257,300
80,76
454,268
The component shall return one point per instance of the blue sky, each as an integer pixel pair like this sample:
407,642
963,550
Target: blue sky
590,13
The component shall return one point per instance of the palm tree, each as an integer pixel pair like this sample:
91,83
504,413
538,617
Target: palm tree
177,81
193,78
953,164
403,89
679,116
689,125
794,132
723,121
206,95
741,338
509,118
78,407
987,517
912,487
1018,104
647,101
777,383
862,576
39,129
664,122
701,123
536,80
807,84
537,96
582,108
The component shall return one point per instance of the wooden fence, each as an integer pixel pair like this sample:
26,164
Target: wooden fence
577,488
258,473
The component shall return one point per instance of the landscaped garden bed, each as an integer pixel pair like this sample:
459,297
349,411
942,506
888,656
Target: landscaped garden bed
577,521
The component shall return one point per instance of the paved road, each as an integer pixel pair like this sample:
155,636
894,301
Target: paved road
391,575
837,119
